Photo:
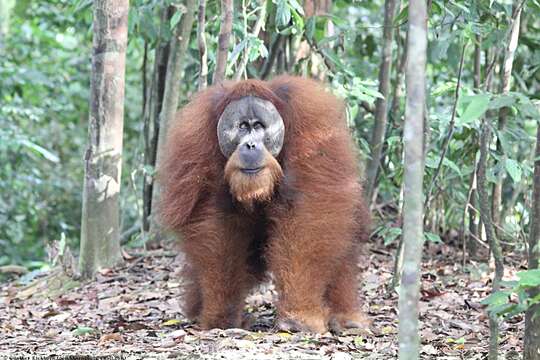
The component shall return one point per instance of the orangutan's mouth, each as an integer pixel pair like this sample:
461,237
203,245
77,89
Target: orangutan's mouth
251,171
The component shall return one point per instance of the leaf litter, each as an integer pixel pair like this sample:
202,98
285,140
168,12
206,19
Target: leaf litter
135,311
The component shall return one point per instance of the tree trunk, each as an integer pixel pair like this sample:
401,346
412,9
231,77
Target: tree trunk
151,117
201,42
100,239
477,62
413,235
223,41
400,72
381,106
270,60
466,233
316,7
472,242
487,220
506,76
175,65
144,78
531,350
471,239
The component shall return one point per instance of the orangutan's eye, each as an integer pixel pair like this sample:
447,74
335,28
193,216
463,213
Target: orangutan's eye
258,125
243,125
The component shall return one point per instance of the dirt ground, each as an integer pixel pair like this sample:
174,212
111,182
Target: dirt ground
134,312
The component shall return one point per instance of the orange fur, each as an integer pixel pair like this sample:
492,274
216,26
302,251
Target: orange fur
300,219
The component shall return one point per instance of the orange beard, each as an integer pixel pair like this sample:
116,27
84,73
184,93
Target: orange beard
249,188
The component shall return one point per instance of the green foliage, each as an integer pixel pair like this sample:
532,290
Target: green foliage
517,297
391,234
285,11
43,98
43,127
472,108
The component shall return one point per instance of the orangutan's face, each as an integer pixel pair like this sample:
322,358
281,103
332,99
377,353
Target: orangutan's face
250,133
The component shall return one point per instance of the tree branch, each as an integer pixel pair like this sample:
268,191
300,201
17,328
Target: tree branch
269,63
451,125
381,105
256,30
223,41
506,75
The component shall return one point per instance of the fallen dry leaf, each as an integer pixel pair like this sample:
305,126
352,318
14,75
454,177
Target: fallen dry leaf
110,337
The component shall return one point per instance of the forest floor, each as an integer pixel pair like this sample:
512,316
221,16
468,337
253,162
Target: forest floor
134,312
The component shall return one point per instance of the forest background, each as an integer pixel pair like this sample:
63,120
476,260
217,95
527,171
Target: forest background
480,116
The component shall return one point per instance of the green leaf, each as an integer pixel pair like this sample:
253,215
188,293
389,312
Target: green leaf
310,27
296,6
358,89
526,107
436,7
432,161
505,137
391,140
439,49
535,300
358,341
514,169
456,341
461,6
513,310
83,330
529,278
390,235
176,19
444,88
149,170
257,49
263,51
328,39
509,283
40,150
452,165
434,238
283,13
402,16
496,299
298,21
502,309
330,55
501,101
81,5
475,109
352,112
238,49
171,322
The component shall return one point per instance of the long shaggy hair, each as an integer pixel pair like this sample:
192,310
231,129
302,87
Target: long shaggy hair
302,220
247,188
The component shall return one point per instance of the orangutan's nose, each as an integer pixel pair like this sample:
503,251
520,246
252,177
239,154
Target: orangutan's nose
251,155
251,145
